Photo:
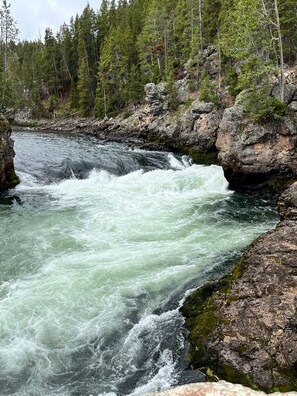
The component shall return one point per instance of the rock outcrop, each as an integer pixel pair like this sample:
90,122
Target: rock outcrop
259,155
8,177
246,330
220,388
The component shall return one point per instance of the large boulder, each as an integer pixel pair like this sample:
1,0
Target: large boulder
8,177
257,154
246,328
155,97
191,132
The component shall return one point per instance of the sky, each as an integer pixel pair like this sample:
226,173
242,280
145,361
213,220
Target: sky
34,16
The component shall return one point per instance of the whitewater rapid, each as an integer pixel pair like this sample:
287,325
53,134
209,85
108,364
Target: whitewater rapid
100,244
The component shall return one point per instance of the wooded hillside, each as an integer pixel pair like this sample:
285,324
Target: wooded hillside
99,63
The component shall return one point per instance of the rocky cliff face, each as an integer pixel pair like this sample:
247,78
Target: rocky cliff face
247,328
8,177
258,155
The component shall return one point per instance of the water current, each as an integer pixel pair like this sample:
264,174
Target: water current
100,243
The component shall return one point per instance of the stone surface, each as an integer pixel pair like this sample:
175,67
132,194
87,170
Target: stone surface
198,107
155,97
247,329
220,388
257,155
289,92
8,177
293,106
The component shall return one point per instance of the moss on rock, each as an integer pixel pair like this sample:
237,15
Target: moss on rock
242,328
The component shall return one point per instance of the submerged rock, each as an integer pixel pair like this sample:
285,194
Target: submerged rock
8,177
246,330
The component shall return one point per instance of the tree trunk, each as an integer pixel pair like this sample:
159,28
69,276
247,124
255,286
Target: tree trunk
280,43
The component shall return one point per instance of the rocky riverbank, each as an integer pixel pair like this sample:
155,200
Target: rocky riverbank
8,178
244,327
255,155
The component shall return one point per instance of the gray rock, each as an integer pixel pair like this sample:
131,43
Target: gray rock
155,97
289,93
182,89
198,107
293,105
254,153
247,329
8,177
287,206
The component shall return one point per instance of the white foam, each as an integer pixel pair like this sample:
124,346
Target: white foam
27,180
97,255
175,163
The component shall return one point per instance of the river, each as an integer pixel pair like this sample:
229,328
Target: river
100,243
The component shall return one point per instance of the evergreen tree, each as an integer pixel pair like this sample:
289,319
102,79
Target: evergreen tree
8,31
51,62
87,61
288,23
8,36
114,71
156,43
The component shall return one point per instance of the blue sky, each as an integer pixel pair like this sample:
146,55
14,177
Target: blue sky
34,16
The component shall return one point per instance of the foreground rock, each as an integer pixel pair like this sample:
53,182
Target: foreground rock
8,177
246,330
220,388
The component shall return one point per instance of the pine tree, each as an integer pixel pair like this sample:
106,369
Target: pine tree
210,21
156,43
84,79
288,22
51,62
8,36
114,71
8,32
87,61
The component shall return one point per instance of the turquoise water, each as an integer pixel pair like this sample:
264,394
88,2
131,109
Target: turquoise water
100,244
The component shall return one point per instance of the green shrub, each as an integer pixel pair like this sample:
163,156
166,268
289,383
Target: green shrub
207,89
127,114
261,106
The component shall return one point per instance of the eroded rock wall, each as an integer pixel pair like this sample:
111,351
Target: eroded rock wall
246,330
257,155
8,177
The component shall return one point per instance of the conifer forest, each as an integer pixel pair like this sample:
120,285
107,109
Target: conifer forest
98,63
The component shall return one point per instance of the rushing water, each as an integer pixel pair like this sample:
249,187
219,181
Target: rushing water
99,245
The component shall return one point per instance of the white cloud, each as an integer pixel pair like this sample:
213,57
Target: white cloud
34,16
